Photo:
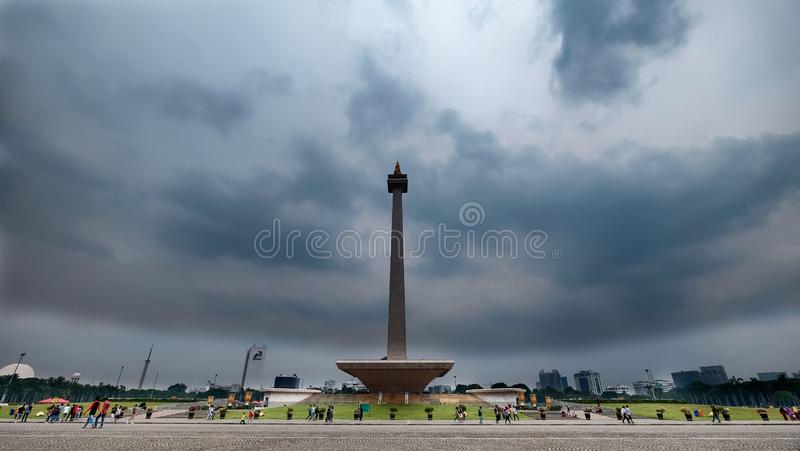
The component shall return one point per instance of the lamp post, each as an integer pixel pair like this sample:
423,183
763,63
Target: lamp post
11,378
455,383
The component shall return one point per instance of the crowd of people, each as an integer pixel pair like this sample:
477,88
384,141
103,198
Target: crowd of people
508,413
316,413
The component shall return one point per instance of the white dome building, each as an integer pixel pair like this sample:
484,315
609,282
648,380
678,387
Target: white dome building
23,372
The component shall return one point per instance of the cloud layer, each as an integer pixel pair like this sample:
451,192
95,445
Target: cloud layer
135,173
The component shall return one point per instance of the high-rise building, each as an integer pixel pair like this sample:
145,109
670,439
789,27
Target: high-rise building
619,389
551,379
796,375
564,383
284,381
685,378
713,375
440,389
771,375
588,381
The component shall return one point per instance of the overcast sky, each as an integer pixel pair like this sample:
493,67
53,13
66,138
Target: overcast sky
144,145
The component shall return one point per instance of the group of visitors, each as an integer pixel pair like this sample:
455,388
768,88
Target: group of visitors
249,415
627,414
507,412
461,414
790,413
568,412
317,413
21,413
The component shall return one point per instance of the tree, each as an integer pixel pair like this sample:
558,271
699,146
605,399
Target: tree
177,388
499,385
461,388
522,386
784,398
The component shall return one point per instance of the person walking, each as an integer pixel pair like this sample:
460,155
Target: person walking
92,411
104,411
64,412
310,412
480,415
628,414
132,418
329,415
210,415
514,414
496,414
250,416
715,414
244,415
27,412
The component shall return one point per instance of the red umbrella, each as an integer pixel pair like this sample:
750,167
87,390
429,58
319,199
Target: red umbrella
54,400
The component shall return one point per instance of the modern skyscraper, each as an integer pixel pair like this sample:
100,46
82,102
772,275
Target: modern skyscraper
713,375
551,379
588,381
144,370
685,378
771,375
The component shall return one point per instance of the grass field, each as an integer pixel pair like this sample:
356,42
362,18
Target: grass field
43,408
377,412
673,411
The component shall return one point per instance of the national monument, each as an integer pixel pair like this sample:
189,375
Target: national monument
396,373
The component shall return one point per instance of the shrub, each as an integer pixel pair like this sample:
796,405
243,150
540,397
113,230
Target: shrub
429,409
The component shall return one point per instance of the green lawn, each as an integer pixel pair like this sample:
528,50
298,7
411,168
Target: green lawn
43,408
673,411
377,412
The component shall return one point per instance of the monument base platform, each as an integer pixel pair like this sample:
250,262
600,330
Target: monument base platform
395,376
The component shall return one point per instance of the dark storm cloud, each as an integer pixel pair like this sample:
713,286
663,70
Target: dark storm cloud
383,107
220,215
45,279
639,229
221,109
604,43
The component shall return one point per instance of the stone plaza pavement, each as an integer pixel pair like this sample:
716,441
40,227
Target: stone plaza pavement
567,435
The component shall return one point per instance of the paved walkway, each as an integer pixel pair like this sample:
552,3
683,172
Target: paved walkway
567,435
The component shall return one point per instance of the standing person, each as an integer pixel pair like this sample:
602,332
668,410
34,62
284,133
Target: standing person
65,411
715,414
132,418
51,413
104,411
92,411
80,411
329,415
27,412
496,414
480,415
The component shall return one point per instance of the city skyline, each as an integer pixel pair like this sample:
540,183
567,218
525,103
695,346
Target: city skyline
651,146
